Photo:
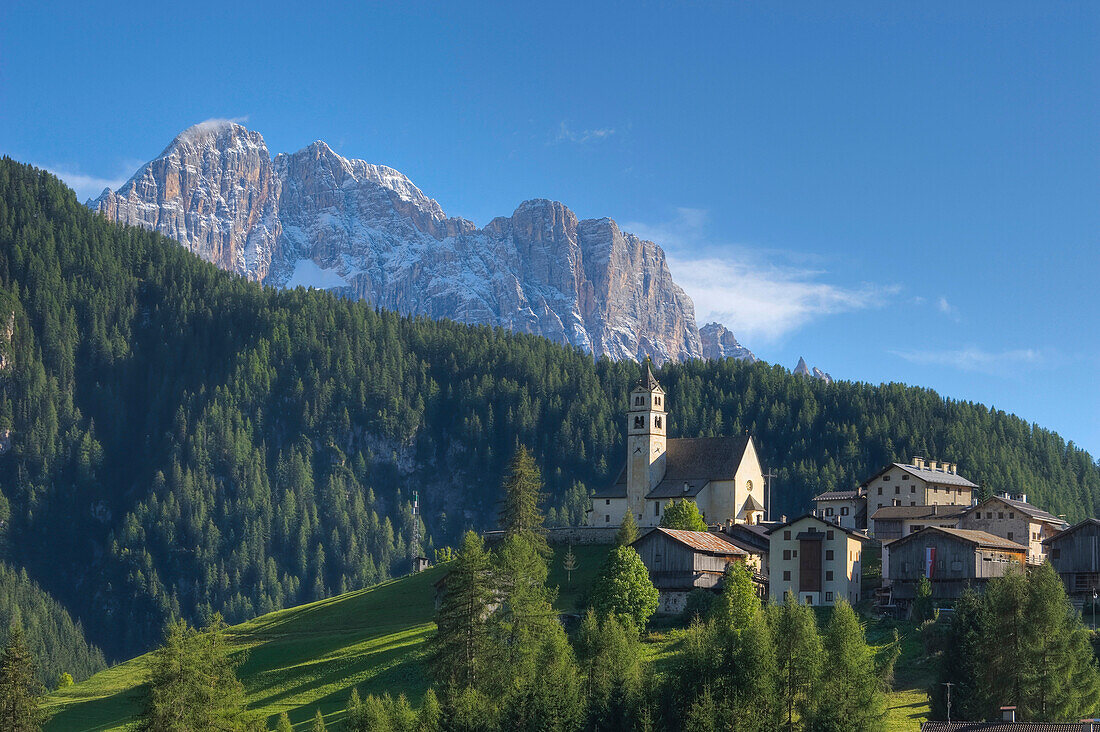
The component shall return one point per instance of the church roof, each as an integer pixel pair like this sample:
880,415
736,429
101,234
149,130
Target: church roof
695,461
648,381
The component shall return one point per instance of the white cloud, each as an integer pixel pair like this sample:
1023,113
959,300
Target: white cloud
566,134
947,308
214,123
975,359
86,186
757,293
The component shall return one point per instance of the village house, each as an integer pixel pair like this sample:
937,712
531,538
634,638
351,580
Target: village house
845,508
721,474
1075,555
921,483
682,561
818,561
894,522
1015,519
754,541
1008,723
953,559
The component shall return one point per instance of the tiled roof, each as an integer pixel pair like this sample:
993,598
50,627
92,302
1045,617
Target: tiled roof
1033,511
1005,727
695,461
828,524
1071,529
939,477
888,513
838,495
703,541
749,545
981,538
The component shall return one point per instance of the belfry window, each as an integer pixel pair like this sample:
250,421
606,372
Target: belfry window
657,401
639,401
657,422
639,423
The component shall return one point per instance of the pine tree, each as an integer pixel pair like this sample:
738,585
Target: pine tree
610,659
461,641
851,695
19,688
799,658
318,722
628,530
569,564
548,698
521,513
739,602
430,716
623,588
683,514
922,604
1062,679
284,725
525,613
193,682
753,669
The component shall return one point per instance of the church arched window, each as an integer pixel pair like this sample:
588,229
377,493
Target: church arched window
657,422
639,401
639,423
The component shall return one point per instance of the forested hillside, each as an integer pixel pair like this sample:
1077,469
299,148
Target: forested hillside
183,441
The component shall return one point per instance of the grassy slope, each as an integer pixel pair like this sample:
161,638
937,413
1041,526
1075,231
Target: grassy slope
310,656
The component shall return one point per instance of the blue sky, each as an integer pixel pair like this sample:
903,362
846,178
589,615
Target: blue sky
898,191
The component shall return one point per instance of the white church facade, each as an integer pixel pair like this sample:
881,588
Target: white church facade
721,474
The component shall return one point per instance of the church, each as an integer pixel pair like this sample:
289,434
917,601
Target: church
721,474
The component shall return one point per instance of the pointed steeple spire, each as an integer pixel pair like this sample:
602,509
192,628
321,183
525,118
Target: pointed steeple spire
648,380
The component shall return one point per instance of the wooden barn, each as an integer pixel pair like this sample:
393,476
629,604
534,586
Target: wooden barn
684,560
953,559
1075,555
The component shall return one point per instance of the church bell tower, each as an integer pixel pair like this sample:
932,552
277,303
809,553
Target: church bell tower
646,422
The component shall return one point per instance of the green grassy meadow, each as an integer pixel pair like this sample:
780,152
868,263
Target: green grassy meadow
308,657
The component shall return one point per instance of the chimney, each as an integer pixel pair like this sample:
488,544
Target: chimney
686,489
932,465
783,519
1023,498
918,462
954,468
1008,714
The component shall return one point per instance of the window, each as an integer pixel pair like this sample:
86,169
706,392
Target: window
885,478
657,422
639,423
1055,553
1000,514
843,510
897,489
657,508
828,597
794,553
912,503
657,401
1010,536
989,514
828,535
786,575
607,518
829,576
912,489
607,502
880,490
905,476
809,599
639,401
828,555
786,554
1012,514
787,535
828,512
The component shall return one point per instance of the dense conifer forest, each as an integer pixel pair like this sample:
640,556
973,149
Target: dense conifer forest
184,442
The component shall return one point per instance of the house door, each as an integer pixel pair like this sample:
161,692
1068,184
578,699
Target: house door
809,565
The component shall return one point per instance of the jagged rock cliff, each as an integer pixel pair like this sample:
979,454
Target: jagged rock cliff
719,342
314,218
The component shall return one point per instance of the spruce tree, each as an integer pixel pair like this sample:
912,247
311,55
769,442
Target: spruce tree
851,695
318,722
798,660
521,513
623,588
461,642
430,716
613,673
549,698
283,724
19,688
628,530
922,605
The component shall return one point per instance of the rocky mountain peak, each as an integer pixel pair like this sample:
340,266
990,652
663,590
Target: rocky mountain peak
803,369
314,218
718,342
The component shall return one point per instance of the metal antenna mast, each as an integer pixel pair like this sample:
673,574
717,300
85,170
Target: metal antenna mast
948,684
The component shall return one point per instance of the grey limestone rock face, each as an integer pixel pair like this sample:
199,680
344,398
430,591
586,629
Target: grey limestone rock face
313,218
718,342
